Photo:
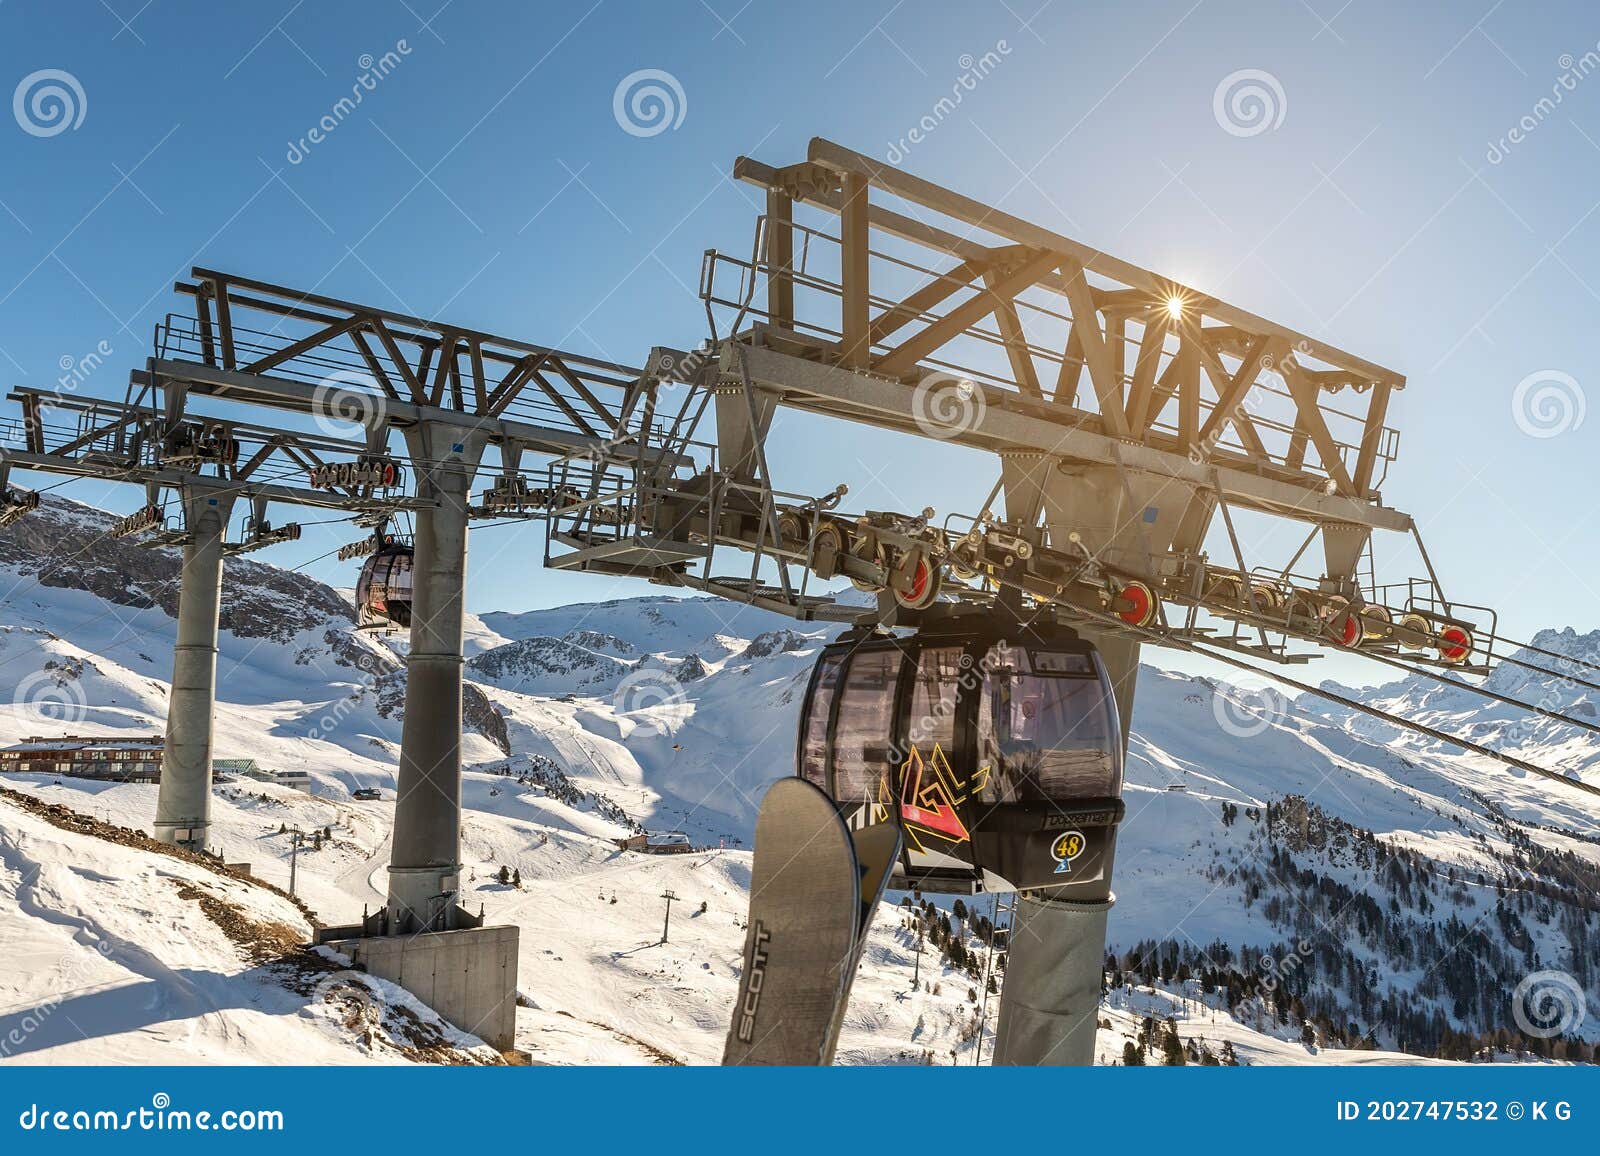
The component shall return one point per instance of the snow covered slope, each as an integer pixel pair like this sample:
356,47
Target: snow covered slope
1283,864
118,952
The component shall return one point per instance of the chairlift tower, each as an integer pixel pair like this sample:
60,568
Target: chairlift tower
447,394
1129,413
183,805
425,863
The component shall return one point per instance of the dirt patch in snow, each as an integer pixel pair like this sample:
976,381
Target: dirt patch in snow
657,1056
354,1002
67,819
261,942
383,1019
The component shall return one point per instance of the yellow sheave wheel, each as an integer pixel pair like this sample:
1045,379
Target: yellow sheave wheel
1375,620
868,549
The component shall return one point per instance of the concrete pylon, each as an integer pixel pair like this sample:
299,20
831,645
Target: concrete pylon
1050,1000
1048,1013
425,860
1051,996
183,806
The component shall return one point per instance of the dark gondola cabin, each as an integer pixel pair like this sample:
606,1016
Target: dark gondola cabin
383,592
1003,756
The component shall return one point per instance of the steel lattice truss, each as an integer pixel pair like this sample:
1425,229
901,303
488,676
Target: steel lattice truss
129,441
1076,352
189,417
248,340
1130,413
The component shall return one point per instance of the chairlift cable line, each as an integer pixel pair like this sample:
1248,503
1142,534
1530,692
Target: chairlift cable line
1162,639
1547,654
1423,672
1506,659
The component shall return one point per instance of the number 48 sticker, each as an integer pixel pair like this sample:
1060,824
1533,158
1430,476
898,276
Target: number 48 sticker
1067,847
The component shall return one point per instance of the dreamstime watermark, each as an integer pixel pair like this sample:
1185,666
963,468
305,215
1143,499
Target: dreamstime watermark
46,696
1567,683
373,70
973,71
946,405
654,694
160,1116
77,370
1573,70
49,102
940,713
1548,403
1254,399
1275,971
676,371
1548,1004
1249,102
1248,708
351,998
649,102
348,404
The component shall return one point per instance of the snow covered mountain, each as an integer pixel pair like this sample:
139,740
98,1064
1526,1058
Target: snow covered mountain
1292,879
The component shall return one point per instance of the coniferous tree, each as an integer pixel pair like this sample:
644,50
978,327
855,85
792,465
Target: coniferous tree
1172,1046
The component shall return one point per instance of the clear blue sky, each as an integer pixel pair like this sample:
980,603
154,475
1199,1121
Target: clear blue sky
486,180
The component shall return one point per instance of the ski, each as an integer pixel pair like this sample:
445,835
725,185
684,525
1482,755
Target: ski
877,850
809,901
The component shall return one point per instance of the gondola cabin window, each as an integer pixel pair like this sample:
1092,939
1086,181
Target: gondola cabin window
814,738
1046,727
934,696
862,738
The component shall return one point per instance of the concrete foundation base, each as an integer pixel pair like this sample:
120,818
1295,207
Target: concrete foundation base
469,977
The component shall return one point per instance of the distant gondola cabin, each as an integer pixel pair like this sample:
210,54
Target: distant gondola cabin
383,592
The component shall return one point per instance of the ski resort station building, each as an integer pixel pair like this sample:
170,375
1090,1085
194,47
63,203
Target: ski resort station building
250,769
122,760
657,843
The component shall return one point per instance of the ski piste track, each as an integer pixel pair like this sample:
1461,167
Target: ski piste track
1133,417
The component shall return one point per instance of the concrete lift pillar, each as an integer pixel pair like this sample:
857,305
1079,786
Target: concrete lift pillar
425,862
183,806
1050,1001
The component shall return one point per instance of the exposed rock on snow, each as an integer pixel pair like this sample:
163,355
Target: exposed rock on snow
545,665
64,544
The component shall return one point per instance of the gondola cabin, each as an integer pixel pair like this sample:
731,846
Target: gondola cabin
383,592
1003,756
